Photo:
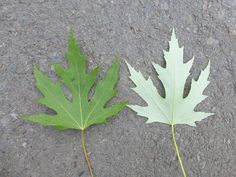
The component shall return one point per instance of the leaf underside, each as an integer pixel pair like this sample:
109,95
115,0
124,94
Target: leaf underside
81,111
174,108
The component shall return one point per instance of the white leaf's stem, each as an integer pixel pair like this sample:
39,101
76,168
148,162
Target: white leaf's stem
177,150
86,155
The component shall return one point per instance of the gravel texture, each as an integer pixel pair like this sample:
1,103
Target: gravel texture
36,32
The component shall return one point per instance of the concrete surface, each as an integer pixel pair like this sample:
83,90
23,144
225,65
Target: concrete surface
36,32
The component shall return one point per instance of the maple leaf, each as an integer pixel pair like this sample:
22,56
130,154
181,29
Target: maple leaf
174,108
81,111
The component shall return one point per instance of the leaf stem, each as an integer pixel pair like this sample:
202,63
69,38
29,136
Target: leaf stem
177,150
85,154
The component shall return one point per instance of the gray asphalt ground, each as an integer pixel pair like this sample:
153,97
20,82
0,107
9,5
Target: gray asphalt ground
36,32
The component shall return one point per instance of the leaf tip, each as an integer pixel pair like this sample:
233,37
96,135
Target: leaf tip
117,57
37,72
117,60
126,62
193,124
153,64
35,68
173,36
72,40
129,106
126,102
210,114
208,65
129,66
97,69
71,32
27,117
173,30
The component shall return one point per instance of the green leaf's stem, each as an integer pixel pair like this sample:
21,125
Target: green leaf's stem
177,150
86,155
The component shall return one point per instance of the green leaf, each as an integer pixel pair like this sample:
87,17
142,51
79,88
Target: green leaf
174,108
81,111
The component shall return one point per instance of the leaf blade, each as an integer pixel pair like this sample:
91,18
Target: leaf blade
174,108
73,113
